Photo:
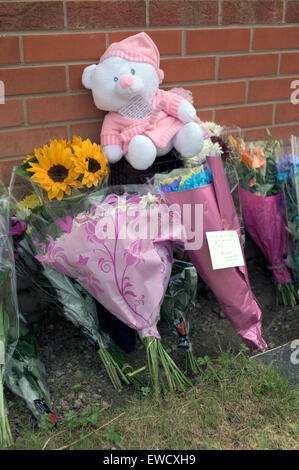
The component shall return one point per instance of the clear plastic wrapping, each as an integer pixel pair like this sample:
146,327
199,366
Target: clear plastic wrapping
9,315
105,243
26,376
76,303
178,303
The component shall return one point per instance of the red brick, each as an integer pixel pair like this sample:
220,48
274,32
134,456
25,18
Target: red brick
183,13
62,108
272,89
287,112
247,116
252,11
88,130
248,65
106,14
11,113
64,47
23,142
75,74
9,50
276,38
290,62
6,169
187,69
278,132
23,80
20,16
168,42
218,94
292,11
217,40
205,115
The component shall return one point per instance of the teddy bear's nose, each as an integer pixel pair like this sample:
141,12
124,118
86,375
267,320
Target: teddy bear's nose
126,82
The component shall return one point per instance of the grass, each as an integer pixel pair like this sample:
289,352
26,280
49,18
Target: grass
235,404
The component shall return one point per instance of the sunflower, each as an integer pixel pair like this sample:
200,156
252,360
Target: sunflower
90,161
55,171
77,141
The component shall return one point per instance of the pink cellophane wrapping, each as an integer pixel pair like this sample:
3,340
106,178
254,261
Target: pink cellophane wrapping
128,275
231,285
266,225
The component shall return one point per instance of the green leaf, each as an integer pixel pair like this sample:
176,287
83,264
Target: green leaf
4,275
74,387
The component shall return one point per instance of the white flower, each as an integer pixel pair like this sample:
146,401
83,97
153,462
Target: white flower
209,149
23,214
149,199
212,127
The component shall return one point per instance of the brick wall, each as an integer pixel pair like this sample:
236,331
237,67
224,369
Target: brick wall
238,57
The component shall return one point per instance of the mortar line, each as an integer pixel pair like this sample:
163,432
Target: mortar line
21,49
65,18
220,12
184,35
147,13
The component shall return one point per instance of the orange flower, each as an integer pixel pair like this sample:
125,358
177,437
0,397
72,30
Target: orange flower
252,182
253,158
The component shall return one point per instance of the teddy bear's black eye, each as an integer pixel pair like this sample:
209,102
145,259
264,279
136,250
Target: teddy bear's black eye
115,79
132,71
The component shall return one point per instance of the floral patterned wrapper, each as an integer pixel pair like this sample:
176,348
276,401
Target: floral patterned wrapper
125,273
265,223
120,251
231,285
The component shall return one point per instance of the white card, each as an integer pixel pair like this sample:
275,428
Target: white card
225,249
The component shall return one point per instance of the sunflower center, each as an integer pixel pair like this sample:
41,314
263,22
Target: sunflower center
58,173
93,165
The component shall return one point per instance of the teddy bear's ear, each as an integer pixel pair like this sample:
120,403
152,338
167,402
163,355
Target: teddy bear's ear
87,75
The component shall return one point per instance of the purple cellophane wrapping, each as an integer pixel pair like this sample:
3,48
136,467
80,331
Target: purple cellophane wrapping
264,221
231,285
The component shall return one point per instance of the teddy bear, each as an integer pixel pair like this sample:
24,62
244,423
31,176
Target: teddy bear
143,121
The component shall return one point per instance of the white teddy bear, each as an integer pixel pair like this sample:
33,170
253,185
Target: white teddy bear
143,121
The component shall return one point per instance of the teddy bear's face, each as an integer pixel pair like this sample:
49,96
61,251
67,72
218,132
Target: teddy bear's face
115,81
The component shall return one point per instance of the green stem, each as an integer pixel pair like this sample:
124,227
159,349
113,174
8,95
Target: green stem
126,368
6,439
156,354
114,371
286,294
195,369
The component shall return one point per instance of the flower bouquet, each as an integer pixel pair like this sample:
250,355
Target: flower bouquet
9,317
64,174
25,376
261,209
120,250
207,187
178,303
287,174
216,143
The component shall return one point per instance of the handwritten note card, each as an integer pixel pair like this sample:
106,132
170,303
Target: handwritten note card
225,249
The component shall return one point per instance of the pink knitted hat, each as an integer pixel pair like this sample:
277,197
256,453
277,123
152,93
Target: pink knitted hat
137,48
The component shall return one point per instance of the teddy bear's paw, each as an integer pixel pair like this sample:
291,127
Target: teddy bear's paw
186,112
141,152
113,153
189,140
